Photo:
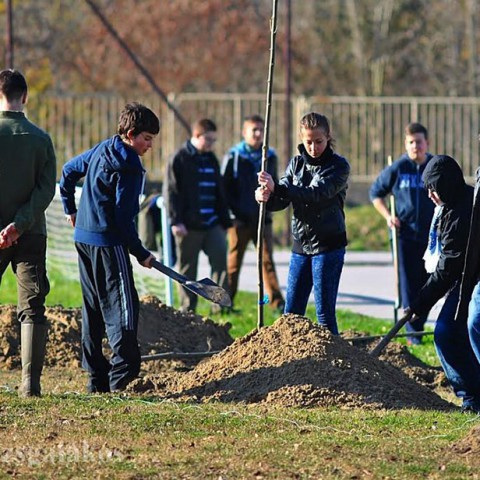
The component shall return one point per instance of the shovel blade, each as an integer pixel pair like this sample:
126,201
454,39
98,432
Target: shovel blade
208,289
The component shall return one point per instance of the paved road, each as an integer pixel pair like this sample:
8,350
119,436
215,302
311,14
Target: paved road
367,284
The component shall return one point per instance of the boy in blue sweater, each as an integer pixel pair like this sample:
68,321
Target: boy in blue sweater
104,235
414,211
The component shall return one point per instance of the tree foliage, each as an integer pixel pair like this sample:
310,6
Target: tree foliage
339,47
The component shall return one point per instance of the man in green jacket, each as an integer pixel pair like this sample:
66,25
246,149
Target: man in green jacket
27,186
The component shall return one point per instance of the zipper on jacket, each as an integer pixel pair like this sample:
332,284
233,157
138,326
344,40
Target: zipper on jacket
417,206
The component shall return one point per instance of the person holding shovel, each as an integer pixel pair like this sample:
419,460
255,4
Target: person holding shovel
444,260
403,180
315,184
105,234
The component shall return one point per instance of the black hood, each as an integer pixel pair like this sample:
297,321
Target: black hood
444,175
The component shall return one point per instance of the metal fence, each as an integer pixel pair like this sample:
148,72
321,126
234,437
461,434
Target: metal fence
366,129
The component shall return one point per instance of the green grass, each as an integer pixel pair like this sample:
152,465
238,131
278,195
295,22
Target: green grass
73,435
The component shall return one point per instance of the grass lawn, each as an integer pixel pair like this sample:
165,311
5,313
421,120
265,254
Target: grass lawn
69,434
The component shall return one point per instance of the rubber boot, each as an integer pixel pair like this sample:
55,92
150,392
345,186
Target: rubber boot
33,337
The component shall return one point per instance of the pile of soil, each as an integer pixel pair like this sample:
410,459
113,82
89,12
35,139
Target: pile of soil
295,363
161,329
399,356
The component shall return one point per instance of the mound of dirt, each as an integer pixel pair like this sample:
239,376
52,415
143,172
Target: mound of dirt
468,447
296,363
161,329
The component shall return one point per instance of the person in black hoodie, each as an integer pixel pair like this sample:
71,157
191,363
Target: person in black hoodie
315,184
105,234
444,258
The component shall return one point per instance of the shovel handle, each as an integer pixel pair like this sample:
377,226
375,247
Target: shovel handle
386,339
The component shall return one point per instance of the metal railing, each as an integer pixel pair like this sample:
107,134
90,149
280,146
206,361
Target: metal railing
366,129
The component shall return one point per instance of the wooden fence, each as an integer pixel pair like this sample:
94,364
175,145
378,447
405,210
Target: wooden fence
366,129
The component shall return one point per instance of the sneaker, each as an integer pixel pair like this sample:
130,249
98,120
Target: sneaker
471,407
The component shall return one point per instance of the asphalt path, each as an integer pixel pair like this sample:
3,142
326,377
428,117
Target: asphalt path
367,284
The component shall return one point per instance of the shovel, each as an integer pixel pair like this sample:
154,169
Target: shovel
386,339
205,288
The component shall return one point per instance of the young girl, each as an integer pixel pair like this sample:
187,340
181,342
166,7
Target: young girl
315,183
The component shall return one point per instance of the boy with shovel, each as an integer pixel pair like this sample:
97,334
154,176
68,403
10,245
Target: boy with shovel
444,260
105,234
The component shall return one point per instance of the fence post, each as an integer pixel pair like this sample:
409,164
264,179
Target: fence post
166,249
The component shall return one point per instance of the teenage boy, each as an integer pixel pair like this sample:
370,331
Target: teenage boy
27,186
240,168
403,179
445,259
104,235
197,208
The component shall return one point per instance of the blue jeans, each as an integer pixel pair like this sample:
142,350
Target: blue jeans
455,352
474,321
322,272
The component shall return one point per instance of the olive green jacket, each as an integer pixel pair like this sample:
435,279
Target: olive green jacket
27,173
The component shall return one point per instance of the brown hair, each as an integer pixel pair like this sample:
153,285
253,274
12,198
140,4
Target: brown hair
414,127
313,120
139,118
202,126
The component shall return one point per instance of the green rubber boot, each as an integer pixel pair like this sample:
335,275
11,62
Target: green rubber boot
33,337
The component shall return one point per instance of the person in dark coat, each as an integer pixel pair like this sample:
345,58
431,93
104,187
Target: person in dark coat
315,184
445,258
469,304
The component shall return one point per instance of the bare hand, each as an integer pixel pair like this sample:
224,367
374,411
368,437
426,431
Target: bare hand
9,236
147,263
179,230
393,222
266,180
262,194
71,219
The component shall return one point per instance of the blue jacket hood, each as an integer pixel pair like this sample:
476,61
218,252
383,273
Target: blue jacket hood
119,155
246,151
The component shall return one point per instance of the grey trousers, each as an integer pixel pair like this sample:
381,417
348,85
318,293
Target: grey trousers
28,260
213,243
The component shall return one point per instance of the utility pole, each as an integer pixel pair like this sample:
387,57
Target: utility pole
9,34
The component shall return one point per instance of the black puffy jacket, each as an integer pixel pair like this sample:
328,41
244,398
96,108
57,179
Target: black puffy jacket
444,176
316,188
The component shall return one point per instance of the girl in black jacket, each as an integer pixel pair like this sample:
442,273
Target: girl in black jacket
315,183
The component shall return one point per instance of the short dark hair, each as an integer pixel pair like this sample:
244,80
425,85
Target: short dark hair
254,119
139,118
203,126
12,84
415,127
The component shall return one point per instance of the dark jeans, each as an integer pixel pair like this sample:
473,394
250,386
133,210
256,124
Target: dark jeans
455,352
413,276
322,272
213,242
111,306
27,258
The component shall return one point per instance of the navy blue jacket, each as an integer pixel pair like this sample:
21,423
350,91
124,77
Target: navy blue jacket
239,169
413,207
114,178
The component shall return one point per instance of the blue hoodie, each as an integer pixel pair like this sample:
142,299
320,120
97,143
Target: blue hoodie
414,209
114,178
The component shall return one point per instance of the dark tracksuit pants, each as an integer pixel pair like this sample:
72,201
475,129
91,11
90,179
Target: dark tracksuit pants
111,306
27,258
